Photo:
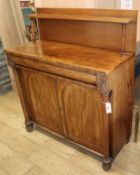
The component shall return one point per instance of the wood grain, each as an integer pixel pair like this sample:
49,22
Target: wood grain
42,101
71,56
83,109
122,100
123,20
75,26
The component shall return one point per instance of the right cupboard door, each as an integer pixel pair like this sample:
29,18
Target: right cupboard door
83,114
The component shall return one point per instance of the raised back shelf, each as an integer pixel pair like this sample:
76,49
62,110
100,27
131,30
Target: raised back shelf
107,29
116,16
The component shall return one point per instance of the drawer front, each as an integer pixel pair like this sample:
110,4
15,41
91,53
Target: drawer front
78,75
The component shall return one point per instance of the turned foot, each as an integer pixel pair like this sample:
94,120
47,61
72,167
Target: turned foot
29,126
106,164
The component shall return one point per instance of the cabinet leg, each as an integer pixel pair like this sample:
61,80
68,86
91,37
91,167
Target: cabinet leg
29,126
107,164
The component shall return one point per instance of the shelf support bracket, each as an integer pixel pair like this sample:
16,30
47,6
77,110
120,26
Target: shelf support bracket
123,41
102,85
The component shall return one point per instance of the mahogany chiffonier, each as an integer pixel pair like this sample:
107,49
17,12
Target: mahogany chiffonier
77,80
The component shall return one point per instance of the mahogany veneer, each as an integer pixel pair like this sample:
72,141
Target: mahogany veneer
77,80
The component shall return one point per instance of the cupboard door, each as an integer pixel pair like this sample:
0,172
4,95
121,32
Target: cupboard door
42,98
83,114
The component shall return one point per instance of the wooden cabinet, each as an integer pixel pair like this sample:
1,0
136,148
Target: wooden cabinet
77,80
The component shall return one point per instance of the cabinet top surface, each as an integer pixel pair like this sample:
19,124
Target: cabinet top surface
70,56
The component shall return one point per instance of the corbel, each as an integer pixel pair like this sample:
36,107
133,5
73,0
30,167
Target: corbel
102,86
10,62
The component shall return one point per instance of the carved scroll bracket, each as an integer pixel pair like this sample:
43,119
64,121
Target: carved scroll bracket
102,86
10,62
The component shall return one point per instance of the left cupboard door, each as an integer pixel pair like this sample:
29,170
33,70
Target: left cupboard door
41,96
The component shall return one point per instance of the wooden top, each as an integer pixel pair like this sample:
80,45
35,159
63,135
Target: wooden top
101,15
70,56
124,20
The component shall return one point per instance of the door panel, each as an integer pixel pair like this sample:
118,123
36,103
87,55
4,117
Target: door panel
83,115
54,100
42,98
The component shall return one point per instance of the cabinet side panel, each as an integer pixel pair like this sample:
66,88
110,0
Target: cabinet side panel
121,83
